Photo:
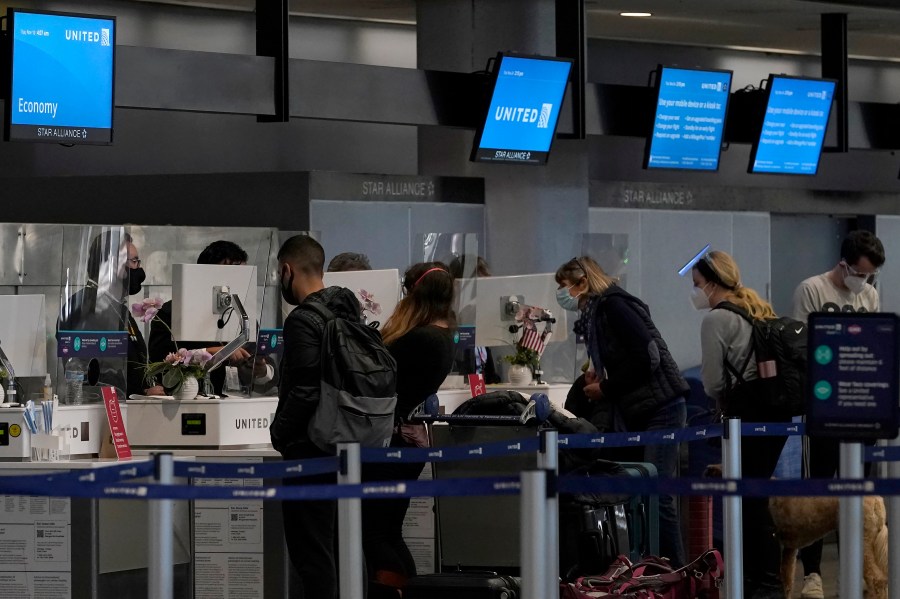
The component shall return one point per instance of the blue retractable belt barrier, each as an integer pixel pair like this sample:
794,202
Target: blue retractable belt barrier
286,469
451,454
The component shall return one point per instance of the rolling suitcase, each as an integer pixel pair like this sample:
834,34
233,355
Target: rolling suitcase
643,515
476,584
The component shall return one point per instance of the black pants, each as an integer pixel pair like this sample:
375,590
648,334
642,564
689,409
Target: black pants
310,532
824,458
388,560
762,551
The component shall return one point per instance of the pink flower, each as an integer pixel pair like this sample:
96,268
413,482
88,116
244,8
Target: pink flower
147,309
202,356
172,358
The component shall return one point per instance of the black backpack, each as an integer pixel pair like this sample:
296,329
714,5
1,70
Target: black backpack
358,385
779,347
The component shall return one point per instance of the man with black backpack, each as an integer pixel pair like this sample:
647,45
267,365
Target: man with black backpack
309,526
844,288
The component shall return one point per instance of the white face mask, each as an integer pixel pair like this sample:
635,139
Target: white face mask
699,298
855,284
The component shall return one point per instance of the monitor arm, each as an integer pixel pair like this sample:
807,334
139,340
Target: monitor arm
232,346
11,377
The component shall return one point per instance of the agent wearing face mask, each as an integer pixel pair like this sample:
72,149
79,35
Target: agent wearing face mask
845,288
726,336
113,274
632,373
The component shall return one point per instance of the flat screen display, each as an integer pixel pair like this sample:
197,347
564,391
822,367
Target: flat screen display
524,109
794,125
690,118
61,78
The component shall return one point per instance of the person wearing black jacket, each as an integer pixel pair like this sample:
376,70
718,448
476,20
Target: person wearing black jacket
309,526
632,371
161,343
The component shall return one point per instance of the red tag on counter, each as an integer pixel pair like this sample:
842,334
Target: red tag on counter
116,423
476,384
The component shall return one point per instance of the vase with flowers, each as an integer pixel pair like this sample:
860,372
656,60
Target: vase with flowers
181,369
521,365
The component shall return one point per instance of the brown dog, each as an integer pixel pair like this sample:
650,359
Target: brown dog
799,521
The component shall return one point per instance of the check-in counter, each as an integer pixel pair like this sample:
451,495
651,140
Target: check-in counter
233,422
82,429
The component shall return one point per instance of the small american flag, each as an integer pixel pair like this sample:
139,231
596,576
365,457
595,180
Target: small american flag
533,340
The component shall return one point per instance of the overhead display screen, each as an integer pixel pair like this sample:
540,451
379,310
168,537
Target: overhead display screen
690,119
524,109
794,125
61,78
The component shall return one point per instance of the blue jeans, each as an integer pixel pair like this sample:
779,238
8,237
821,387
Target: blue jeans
665,458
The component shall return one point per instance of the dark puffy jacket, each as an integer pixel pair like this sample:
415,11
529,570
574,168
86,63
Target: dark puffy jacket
299,391
641,374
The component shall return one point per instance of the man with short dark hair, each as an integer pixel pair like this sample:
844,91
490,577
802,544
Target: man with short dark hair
309,526
349,261
844,288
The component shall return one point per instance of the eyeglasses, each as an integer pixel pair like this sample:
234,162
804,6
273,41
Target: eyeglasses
863,275
134,262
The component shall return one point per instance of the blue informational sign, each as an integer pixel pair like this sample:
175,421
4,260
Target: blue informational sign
794,126
853,375
465,337
91,344
61,78
524,109
690,119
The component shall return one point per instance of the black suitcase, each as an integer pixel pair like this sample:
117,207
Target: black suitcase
475,584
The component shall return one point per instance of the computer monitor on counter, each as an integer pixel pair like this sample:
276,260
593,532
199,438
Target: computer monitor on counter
493,299
23,333
378,291
197,312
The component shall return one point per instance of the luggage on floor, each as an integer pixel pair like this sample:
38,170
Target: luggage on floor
643,515
476,584
590,537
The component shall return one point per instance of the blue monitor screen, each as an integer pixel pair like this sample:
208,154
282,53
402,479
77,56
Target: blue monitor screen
794,126
690,118
524,109
61,87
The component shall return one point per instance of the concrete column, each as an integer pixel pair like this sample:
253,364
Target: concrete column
535,214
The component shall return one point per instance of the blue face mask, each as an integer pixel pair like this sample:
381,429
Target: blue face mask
565,300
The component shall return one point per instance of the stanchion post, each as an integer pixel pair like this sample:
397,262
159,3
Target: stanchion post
350,556
548,460
893,519
732,511
533,529
850,541
160,580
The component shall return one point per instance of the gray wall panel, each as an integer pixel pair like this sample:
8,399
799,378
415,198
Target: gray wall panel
380,230
888,230
750,232
628,222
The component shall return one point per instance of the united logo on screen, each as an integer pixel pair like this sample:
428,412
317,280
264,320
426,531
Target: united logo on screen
104,37
544,119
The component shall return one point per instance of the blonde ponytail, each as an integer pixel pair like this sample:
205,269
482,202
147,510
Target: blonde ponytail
726,271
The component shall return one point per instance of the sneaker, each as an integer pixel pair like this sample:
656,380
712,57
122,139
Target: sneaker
812,587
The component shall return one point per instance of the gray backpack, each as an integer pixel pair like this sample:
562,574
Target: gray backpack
358,385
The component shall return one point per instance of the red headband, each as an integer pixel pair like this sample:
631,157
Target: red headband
425,273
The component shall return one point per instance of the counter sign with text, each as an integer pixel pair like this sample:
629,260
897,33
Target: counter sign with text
61,77
853,375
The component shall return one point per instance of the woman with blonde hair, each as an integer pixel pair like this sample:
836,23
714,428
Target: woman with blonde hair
419,335
632,374
726,345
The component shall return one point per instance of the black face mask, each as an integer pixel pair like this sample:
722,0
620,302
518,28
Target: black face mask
136,277
287,291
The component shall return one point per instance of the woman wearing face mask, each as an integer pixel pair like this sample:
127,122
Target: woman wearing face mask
632,373
726,337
